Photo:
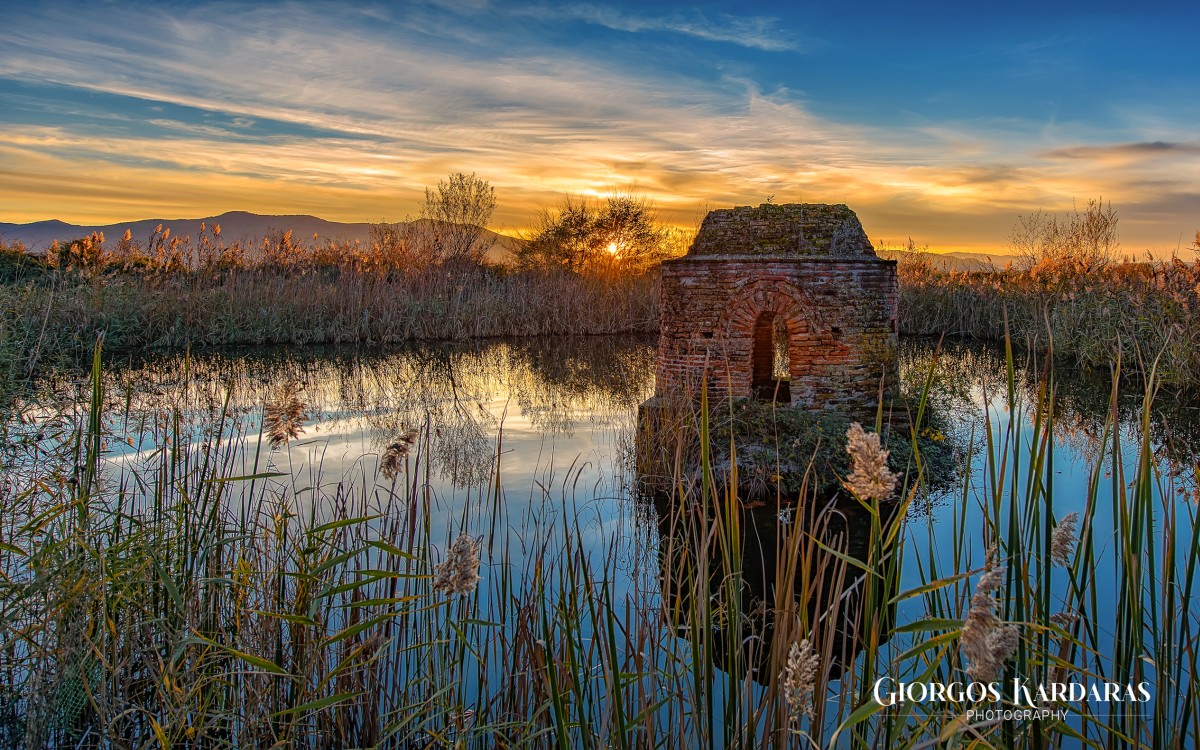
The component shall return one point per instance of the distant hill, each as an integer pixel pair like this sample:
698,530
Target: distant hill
235,226
958,261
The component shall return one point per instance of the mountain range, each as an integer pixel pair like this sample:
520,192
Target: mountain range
958,260
235,226
247,227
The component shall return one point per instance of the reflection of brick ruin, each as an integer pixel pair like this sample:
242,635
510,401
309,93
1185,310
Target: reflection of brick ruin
804,271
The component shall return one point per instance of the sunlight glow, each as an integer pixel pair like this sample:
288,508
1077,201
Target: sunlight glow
612,248
193,135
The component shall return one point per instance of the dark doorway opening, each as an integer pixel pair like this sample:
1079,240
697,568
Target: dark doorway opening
770,360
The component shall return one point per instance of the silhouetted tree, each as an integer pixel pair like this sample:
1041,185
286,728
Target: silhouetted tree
454,218
1087,240
619,233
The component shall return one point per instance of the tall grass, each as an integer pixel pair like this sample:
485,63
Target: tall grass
1093,313
187,597
176,292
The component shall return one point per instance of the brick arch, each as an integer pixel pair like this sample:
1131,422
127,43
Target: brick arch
780,297
814,345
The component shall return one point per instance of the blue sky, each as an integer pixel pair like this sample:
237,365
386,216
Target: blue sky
942,122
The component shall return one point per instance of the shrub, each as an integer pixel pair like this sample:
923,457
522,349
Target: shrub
620,234
1086,240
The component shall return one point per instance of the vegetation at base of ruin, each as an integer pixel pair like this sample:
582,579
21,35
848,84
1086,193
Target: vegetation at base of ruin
1068,292
794,451
180,599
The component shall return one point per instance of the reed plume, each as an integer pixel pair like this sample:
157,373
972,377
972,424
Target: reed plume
986,642
1062,540
395,454
800,679
459,572
284,415
870,478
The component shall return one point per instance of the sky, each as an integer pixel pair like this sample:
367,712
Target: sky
943,122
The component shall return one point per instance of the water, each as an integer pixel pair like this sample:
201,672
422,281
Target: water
528,445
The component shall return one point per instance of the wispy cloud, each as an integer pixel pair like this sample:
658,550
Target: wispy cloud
308,108
1126,150
755,32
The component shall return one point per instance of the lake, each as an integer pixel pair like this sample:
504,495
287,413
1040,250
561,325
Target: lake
529,447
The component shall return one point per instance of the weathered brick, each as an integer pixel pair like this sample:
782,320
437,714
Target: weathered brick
813,265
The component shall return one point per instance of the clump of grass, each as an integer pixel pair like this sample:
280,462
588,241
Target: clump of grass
1093,314
785,449
179,291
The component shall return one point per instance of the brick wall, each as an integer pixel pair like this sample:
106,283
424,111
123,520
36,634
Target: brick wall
840,309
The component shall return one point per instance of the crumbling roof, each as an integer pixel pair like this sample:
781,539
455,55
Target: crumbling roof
816,230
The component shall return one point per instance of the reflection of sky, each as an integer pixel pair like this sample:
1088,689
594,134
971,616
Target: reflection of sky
557,412
1075,454
565,477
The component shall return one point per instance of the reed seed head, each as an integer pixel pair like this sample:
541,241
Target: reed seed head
459,572
393,457
284,415
870,478
1064,619
800,679
1062,540
987,642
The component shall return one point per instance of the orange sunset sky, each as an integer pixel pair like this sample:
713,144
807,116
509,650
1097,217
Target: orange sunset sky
939,122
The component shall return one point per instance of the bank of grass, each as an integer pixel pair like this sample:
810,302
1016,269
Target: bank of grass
182,599
203,293
173,292
1091,312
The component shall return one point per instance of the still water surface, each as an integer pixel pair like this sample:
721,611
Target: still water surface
526,443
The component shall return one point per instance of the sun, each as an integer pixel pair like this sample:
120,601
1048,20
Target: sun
613,248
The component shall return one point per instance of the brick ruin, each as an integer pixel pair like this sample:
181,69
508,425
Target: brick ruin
781,301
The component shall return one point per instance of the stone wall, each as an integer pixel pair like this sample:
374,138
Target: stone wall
811,265
791,229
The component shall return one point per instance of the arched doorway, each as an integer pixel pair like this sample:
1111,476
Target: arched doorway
770,364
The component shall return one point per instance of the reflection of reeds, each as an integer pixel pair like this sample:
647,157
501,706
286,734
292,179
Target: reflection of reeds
1092,315
217,609
284,415
179,291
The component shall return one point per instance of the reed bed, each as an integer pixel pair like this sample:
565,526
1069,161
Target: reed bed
1093,313
176,292
185,597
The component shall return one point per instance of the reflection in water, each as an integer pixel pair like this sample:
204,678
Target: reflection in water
458,396
552,408
968,375
790,582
